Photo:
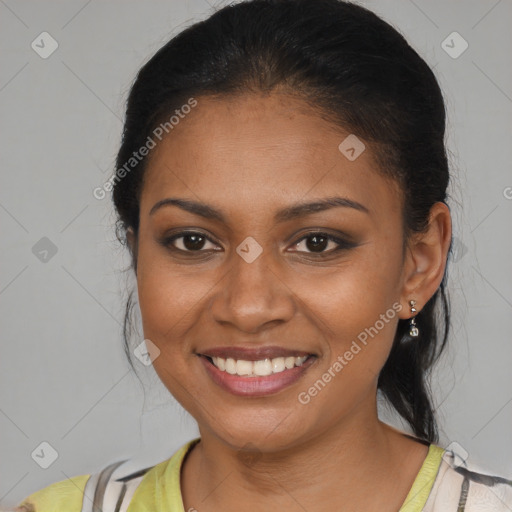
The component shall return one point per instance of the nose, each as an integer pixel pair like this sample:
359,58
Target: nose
254,296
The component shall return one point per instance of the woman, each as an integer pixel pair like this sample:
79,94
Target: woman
281,186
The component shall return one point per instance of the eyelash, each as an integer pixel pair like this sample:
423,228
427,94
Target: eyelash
342,244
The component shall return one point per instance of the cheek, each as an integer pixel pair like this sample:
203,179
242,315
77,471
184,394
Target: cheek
166,292
355,321
164,299
356,307
353,294
357,330
167,302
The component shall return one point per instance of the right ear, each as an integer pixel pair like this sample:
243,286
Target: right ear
131,239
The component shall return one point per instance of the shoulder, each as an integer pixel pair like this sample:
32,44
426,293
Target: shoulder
160,487
65,496
148,487
459,486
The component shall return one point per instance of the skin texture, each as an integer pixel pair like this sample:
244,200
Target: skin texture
248,157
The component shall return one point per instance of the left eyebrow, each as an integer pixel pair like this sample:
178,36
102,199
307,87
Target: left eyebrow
291,212
303,209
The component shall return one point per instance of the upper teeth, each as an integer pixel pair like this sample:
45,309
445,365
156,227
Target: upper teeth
257,368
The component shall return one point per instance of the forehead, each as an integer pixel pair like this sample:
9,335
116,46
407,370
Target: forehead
262,150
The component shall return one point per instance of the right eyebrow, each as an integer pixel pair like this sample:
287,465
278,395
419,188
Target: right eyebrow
203,210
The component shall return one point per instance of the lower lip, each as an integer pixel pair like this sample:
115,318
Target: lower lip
256,386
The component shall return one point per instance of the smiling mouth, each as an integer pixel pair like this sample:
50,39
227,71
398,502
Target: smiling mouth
260,368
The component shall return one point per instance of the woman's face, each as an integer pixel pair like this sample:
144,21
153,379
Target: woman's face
258,286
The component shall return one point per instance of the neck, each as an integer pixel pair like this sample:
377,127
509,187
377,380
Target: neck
336,466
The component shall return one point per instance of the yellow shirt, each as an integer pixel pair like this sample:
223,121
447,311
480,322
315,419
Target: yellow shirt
160,490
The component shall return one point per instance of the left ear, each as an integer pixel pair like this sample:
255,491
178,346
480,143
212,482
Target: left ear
425,259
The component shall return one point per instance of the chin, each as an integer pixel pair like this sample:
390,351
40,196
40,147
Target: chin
258,429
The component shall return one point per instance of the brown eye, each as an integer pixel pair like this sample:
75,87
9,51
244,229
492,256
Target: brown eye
188,241
319,242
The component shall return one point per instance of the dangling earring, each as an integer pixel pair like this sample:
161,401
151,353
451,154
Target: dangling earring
413,328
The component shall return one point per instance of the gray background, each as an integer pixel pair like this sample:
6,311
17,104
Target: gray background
64,376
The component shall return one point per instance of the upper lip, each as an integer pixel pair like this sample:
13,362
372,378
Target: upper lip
252,354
